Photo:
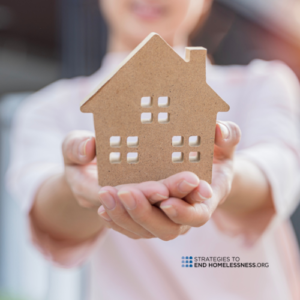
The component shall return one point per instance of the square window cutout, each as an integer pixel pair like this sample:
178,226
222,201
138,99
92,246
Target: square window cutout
194,141
163,117
177,141
146,118
132,141
146,102
115,157
163,101
194,156
177,157
132,157
115,141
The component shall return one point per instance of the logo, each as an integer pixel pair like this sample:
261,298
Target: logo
187,261
219,262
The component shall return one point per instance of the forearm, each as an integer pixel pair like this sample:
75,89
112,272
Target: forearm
57,213
250,189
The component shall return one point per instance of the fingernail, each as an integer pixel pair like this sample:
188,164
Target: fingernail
224,131
169,210
107,200
205,191
102,213
82,147
158,197
127,199
185,187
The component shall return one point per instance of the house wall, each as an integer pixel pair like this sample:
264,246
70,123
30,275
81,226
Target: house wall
154,150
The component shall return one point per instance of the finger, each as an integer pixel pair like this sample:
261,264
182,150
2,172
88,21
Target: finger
83,181
181,184
154,191
227,136
148,216
110,224
79,148
200,194
118,214
183,213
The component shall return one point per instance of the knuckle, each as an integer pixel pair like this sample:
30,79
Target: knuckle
141,217
120,218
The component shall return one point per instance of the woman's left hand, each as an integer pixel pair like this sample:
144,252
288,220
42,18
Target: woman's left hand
200,204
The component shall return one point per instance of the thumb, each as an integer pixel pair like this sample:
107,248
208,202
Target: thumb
79,148
227,136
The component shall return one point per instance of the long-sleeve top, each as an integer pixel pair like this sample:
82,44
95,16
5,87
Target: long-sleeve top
264,98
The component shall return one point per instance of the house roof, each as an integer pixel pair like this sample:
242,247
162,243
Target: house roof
159,44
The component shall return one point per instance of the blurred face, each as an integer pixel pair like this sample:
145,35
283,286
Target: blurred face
133,20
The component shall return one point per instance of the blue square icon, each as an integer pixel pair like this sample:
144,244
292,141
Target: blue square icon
187,261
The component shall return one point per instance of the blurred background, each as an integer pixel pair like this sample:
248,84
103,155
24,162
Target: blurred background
42,41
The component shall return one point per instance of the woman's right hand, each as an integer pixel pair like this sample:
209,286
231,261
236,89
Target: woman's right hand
79,152
65,205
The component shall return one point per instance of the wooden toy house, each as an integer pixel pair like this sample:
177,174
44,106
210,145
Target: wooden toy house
155,116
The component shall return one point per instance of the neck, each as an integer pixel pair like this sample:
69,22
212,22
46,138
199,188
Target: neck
116,43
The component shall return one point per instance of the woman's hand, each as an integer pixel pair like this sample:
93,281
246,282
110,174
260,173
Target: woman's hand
79,152
62,205
170,207
82,188
196,210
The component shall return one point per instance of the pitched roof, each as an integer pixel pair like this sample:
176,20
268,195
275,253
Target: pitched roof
162,44
123,63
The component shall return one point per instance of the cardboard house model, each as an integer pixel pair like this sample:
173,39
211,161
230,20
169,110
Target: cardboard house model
155,116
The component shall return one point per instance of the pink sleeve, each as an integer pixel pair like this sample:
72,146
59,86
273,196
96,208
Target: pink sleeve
270,139
38,131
